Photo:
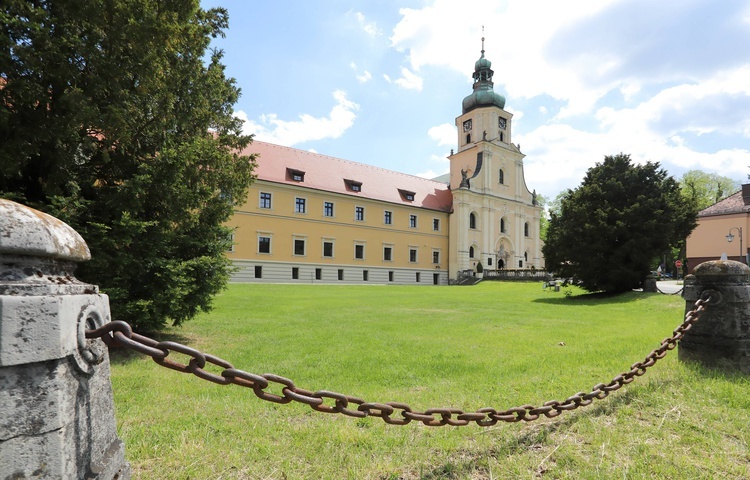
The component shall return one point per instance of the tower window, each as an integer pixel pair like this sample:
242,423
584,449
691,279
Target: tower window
502,226
472,221
468,138
501,177
526,229
471,252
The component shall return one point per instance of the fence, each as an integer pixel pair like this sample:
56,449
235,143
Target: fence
58,418
524,275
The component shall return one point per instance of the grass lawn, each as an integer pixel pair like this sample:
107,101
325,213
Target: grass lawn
496,345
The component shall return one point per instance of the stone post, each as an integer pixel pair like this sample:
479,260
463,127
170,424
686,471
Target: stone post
721,338
56,409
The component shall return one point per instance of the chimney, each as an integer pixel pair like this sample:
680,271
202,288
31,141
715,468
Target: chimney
746,194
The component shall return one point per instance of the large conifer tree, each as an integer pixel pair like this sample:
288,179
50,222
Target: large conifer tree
116,118
608,231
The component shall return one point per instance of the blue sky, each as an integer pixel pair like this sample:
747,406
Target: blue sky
381,82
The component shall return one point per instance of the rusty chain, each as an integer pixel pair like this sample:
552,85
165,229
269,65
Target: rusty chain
393,413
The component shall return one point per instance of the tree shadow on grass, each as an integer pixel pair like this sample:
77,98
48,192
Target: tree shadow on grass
594,299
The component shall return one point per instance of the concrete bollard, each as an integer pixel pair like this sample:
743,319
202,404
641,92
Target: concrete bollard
721,338
57,414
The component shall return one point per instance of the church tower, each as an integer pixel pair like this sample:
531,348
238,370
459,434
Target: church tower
495,218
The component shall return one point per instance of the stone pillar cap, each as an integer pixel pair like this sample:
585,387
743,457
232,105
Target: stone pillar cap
25,231
721,268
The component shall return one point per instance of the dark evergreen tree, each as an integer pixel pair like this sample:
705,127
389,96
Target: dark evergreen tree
608,231
115,118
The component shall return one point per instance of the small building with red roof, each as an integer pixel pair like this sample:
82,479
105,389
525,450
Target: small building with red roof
722,231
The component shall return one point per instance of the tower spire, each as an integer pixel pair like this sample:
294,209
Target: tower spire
483,40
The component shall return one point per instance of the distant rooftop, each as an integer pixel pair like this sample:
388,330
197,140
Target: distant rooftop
734,203
306,169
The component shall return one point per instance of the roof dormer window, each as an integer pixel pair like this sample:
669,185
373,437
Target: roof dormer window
296,175
407,195
353,185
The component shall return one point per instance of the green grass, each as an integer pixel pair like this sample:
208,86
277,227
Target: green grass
493,345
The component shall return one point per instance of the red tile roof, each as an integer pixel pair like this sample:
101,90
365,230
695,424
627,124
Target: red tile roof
332,174
732,204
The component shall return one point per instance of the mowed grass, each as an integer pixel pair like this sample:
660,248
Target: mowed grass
492,345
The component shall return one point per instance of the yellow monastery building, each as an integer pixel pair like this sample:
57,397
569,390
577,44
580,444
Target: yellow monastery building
313,218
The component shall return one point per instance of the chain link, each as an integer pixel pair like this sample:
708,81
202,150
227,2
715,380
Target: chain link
120,333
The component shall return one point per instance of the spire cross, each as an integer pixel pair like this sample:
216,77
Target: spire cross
482,40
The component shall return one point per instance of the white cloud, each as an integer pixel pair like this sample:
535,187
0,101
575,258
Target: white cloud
409,80
364,77
274,130
370,28
387,78
444,134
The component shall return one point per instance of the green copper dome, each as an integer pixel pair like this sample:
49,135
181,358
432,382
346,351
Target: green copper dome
483,95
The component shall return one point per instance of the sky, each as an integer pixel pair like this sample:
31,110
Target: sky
381,81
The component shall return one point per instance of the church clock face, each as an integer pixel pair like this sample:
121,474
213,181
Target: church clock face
502,122
467,125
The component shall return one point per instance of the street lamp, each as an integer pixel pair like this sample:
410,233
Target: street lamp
730,237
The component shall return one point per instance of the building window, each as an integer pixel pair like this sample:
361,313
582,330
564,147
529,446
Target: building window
295,273
264,244
407,195
436,224
471,252
390,276
353,185
417,277
413,221
435,256
501,177
328,209
387,217
526,229
472,220
265,200
489,261
341,273
520,264
359,213
468,138
502,225
413,255
364,275
231,243
296,175
525,256
258,271
299,205
318,273
387,254
359,252
328,249
299,246
436,279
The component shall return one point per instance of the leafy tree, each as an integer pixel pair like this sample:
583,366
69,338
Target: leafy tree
705,189
116,118
609,230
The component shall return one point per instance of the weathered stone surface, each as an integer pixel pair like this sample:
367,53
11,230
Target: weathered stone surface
56,407
25,231
721,338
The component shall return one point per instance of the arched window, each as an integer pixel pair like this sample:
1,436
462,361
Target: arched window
502,225
472,220
501,177
471,252
468,138
526,256
526,229
502,139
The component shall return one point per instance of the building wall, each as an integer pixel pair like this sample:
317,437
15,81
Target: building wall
490,198
709,239
283,225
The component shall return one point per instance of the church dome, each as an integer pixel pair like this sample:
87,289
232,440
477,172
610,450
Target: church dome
483,95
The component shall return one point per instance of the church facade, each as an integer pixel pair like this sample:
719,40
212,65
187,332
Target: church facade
313,218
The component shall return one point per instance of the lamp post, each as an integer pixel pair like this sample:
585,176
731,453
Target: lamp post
730,237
